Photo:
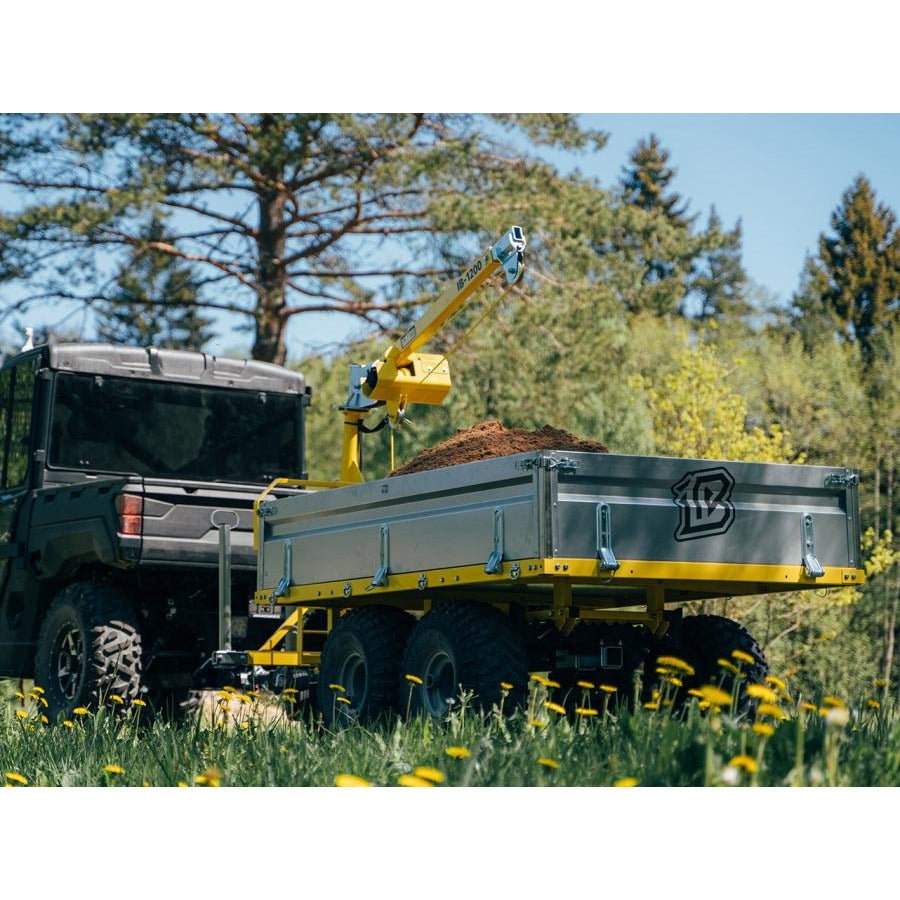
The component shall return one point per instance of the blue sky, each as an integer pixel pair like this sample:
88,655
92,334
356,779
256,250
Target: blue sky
781,174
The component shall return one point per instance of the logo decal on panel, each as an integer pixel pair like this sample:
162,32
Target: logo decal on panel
704,503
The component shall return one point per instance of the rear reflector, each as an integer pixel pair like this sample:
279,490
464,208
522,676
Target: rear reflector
130,508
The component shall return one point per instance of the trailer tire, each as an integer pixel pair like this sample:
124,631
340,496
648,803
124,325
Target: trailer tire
88,649
362,655
464,646
706,638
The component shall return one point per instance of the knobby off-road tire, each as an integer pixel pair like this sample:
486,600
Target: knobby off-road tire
464,646
88,648
705,639
362,654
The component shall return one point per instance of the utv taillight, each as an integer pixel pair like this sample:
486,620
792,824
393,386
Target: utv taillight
130,508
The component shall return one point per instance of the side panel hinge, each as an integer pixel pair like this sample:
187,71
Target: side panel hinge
811,565
563,463
495,560
842,479
608,561
380,579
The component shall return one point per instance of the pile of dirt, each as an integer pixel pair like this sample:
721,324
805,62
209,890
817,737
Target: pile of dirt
489,439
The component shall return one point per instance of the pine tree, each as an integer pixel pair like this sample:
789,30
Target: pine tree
854,281
721,285
154,301
646,180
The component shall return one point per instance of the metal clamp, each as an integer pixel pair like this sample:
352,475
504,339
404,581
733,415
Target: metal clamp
811,565
380,579
608,561
508,252
844,479
494,565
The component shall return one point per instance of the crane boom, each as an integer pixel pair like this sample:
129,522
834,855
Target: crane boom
403,376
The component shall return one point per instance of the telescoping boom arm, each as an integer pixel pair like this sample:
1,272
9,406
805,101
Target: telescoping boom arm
403,376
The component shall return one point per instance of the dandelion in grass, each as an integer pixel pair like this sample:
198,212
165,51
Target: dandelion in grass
537,723
729,666
587,685
139,703
675,681
115,698
114,769
254,694
652,705
81,711
45,720
20,695
761,692
763,729
244,726
539,679
16,778
695,692
675,662
548,763
414,781
607,688
626,782
181,784
747,763
244,699
772,711
212,777
347,780
291,691
776,682
664,670
551,684
145,783
832,701
555,707
808,707
715,696
743,657
585,711
880,682
872,703
20,713
412,679
343,700
505,686
68,723
459,752
224,697
38,689
432,774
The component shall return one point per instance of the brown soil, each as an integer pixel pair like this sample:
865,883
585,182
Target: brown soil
489,439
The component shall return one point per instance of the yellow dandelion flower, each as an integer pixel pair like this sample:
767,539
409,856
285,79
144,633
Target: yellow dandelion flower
16,778
555,707
253,693
38,690
729,665
343,700
21,714
68,723
345,780
761,692
435,775
224,697
764,729
747,763
677,682
607,688
414,679
654,705
873,704
547,762
695,692
833,701
288,699
703,704
664,670
45,720
776,682
809,707
81,711
582,711
715,696
771,710
656,695
550,684
414,781
212,777
145,783
244,726
115,698
20,695
457,752
114,769
880,682
34,696
675,663
290,691
626,782
182,784
743,657
587,685
243,698
539,679
506,686
537,723
230,689
138,702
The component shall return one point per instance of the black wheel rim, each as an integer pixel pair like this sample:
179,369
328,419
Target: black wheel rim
438,682
354,676
67,659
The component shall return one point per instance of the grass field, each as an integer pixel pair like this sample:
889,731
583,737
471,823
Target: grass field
588,737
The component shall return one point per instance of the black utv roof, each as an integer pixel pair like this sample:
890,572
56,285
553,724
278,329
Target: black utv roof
172,365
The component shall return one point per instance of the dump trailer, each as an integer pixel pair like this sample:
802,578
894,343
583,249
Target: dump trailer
406,591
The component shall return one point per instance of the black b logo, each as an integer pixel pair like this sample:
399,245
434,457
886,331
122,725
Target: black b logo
704,501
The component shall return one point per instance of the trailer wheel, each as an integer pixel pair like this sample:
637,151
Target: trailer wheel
361,658
88,648
464,646
706,639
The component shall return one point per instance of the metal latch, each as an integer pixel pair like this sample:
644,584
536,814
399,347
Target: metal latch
495,560
811,565
380,579
563,463
608,561
287,570
842,479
